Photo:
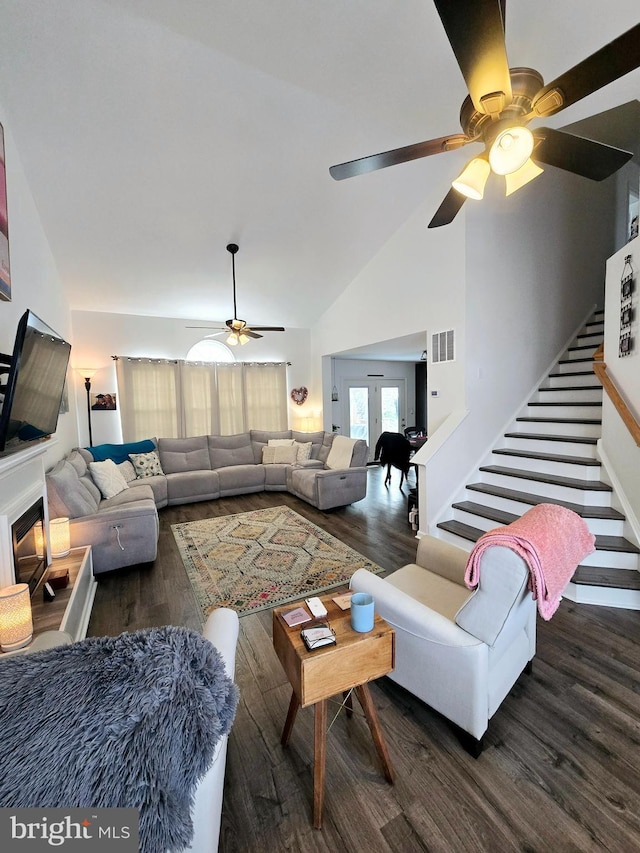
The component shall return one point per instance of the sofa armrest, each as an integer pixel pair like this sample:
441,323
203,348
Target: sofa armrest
442,558
402,611
221,629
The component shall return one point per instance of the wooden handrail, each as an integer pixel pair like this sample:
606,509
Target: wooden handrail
600,370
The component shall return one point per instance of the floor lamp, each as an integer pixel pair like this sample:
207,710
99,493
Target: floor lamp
87,373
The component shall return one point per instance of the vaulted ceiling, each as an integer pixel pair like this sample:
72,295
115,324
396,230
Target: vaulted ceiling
154,132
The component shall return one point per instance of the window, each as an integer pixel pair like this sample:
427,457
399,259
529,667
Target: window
175,399
209,350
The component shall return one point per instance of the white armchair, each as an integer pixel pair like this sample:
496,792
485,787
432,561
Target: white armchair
458,650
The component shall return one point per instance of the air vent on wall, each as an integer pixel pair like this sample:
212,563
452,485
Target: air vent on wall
442,347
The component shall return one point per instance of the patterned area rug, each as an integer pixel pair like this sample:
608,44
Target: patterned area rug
260,559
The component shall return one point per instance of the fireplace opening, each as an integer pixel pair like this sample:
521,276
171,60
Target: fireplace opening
29,537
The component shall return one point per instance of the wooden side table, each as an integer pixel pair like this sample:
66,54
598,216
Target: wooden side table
315,676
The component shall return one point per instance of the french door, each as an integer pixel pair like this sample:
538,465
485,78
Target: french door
375,406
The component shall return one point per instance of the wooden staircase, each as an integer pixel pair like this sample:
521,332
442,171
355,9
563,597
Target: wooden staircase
550,456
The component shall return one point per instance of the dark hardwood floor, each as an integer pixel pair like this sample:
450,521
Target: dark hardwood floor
560,769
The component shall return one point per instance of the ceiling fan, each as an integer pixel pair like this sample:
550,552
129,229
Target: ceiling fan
239,330
500,104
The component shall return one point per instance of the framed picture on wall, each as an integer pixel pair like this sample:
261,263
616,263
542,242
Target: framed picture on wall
5,270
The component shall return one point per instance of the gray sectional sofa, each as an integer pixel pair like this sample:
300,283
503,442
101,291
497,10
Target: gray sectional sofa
123,529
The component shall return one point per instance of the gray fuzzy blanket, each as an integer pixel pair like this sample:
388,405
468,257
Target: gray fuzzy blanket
129,721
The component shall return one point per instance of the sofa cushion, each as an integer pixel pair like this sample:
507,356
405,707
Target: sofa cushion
108,478
79,462
325,447
67,494
241,479
281,454
184,454
137,491
304,450
261,437
225,450
192,486
146,464
120,452
316,439
127,470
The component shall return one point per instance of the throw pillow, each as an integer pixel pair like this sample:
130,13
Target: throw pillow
281,442
107,478
146,464
282,454
304,450
127,470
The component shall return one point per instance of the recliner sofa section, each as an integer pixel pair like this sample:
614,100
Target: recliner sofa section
123,530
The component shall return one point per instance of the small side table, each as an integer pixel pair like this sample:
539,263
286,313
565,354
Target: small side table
315,676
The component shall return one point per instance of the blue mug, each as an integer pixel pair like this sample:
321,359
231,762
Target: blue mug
362,613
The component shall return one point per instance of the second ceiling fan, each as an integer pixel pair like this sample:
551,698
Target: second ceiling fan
239,330
500,104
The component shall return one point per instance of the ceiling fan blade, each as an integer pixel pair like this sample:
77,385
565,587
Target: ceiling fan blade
449,209
398,155
250,333
267,328
612,61
475,29
210,328
578,155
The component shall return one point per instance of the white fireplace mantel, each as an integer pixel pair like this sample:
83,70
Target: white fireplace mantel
22,483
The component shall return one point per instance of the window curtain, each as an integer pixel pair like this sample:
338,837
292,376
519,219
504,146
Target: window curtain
176,399
148,390
265,389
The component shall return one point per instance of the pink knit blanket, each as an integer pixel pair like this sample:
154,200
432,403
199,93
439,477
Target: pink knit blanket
552,540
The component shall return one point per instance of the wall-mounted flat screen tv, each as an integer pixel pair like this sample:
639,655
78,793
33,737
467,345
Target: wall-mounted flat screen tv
35,373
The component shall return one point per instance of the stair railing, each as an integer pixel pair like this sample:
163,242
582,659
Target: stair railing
600,369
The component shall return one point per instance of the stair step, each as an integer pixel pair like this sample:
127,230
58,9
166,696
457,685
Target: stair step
575,362
616,543
562,374
603,543
465,531
575,439
606,512
604,577
567,482
582,348
567,404
497,515
548,457
569,387
588,421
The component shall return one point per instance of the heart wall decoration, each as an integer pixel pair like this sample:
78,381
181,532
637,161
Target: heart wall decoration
299,395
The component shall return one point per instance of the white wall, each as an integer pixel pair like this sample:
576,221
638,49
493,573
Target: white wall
535,267
34,279
415,283
621,453
98,336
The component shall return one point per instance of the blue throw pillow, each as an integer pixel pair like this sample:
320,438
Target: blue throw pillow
120,452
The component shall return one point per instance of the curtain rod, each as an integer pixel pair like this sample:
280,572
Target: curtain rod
176,360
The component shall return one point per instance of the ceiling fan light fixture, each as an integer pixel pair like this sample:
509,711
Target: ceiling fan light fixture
232,340
516,180
510,150
471,181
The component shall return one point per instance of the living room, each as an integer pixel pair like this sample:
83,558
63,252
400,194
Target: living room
514,277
